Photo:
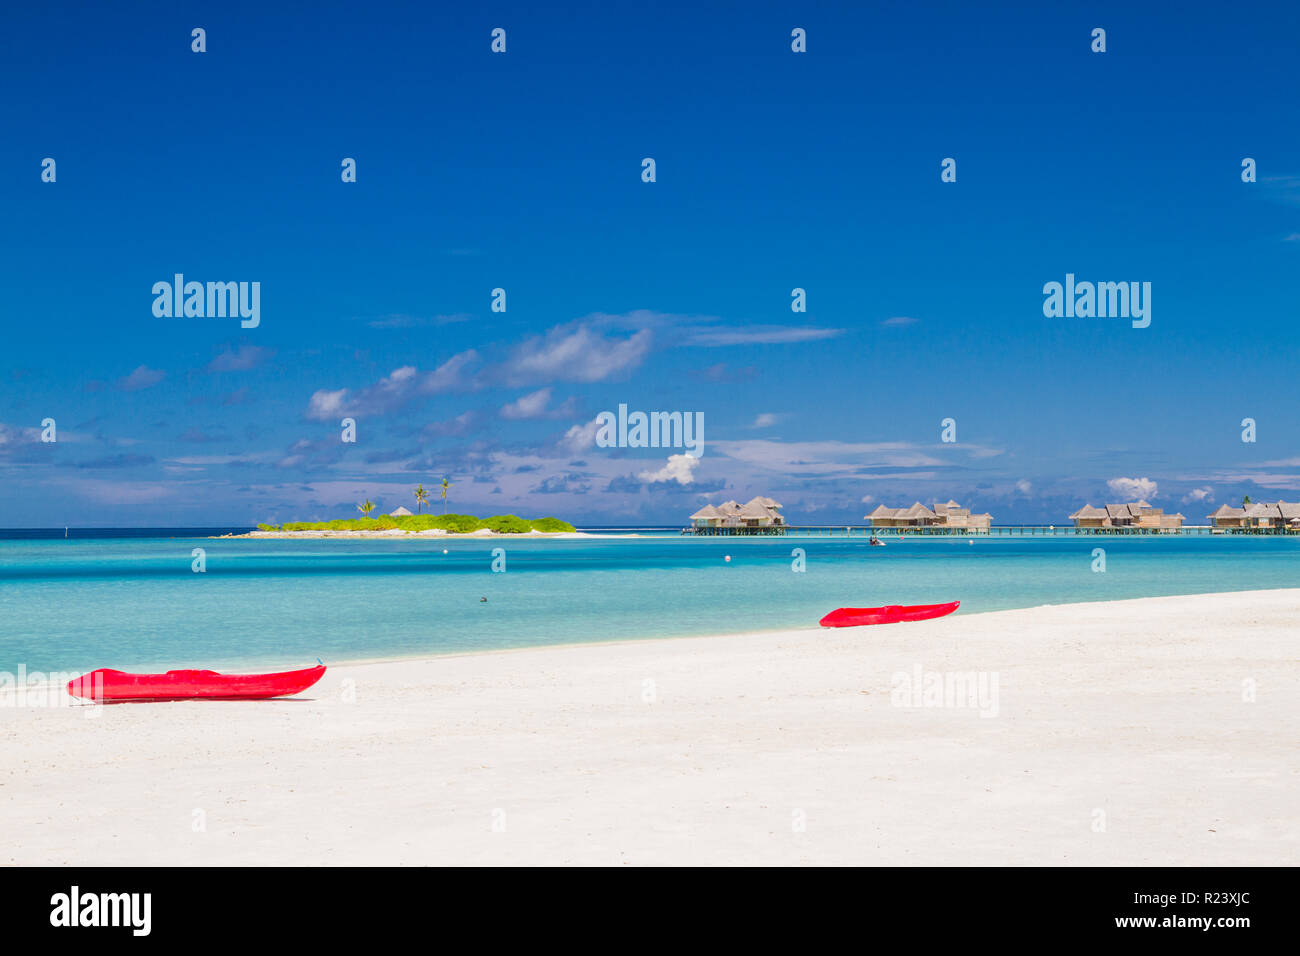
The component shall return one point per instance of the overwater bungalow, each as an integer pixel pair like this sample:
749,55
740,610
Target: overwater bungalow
1133,515
946,515
1090,517
759,515
1273,515
1269,516
707,517
1226,516
1263,514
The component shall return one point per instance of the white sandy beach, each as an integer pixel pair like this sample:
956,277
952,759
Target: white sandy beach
1121,736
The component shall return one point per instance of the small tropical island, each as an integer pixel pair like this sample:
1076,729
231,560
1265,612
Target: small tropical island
401,522
392,525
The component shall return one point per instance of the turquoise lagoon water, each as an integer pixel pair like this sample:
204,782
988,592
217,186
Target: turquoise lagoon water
80,604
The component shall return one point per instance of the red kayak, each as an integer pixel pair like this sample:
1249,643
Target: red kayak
107,684
892,614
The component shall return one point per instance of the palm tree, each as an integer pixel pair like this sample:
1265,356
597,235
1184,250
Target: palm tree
1245,501
445,485
421,496
366,507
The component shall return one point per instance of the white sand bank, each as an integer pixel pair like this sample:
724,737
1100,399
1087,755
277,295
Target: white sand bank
1121,737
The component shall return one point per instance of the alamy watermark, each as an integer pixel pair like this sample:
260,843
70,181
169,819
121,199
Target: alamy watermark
127,910
24,688
977,690
212,300
1102,300
651,430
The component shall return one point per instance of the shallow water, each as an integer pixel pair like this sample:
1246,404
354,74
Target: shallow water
81,604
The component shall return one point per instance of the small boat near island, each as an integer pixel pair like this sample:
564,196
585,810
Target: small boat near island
108,684
890,614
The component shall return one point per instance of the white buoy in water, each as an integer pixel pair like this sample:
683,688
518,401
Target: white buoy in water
727,558
444,550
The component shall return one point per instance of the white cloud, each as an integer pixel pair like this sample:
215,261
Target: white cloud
1265,479
532,405
395,385
404,321
765,420
1024,486
759,335
1133,487
581,437
574,353
351,492
206,460
392,391
897,320
240,360
449,376
389,393
825,458
141,377
867,499
678,468
124,492
1200,494
325,404
12,434
460,425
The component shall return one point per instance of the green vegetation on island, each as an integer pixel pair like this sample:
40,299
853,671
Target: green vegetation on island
451,523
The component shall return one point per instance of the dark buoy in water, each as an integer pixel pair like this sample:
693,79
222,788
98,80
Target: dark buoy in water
482,600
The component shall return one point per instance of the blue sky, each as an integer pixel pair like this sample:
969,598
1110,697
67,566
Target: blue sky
522,171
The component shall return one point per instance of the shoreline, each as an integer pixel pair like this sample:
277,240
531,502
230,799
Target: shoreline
806,631
1152,731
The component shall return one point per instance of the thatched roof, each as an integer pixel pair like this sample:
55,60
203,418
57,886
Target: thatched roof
399,512
755,510
917,510
951,514
1088,511
1227,511
1276,510
708,511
